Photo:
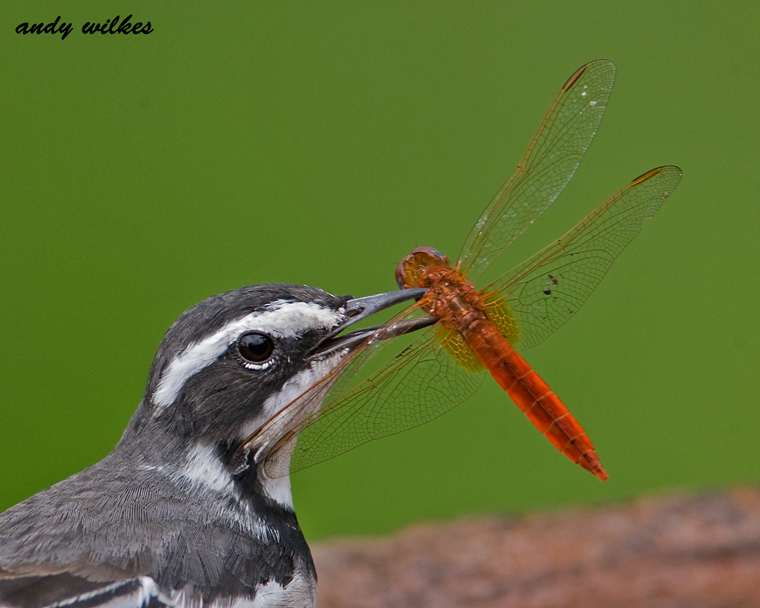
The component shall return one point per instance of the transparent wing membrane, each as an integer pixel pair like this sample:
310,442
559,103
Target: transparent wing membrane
548,288
416,386
547,166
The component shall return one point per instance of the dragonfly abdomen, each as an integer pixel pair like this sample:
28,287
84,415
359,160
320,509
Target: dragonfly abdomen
532,395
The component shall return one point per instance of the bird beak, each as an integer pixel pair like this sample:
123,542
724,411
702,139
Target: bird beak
359,309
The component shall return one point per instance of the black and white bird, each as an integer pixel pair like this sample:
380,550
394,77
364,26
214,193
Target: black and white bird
166,519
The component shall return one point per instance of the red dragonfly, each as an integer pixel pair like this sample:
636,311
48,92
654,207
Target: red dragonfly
472,330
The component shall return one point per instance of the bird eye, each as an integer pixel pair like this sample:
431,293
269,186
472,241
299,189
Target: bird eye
255,347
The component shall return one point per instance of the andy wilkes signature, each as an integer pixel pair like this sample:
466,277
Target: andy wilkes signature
109,26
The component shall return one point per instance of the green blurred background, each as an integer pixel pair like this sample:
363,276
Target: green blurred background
318,143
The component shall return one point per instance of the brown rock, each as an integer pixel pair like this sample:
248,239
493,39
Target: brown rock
679,552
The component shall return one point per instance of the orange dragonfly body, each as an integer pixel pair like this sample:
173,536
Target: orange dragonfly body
464,313
476,330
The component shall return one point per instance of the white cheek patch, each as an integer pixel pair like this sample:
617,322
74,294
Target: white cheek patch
278,489
301,382
291,390
282,319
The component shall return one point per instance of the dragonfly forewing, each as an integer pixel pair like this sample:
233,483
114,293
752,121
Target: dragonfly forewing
547,166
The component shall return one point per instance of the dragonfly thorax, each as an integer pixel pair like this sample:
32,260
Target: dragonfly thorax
450,297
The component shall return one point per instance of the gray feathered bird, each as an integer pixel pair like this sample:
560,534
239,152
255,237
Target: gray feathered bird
166,519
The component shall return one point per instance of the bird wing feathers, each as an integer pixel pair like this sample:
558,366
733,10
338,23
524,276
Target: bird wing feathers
71,591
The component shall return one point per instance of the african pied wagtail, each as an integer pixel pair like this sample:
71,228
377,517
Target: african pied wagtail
166,519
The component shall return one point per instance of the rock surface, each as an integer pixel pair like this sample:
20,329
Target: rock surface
679,552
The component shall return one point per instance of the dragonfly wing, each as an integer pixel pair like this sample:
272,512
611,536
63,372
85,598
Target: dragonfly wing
548,288
419,384
547,166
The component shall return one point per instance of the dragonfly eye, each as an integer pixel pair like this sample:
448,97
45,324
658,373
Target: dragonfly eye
414,266
401,278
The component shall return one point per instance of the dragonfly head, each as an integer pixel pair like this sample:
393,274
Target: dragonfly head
414,266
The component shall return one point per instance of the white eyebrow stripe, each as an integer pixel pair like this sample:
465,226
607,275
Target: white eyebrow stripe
282,319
